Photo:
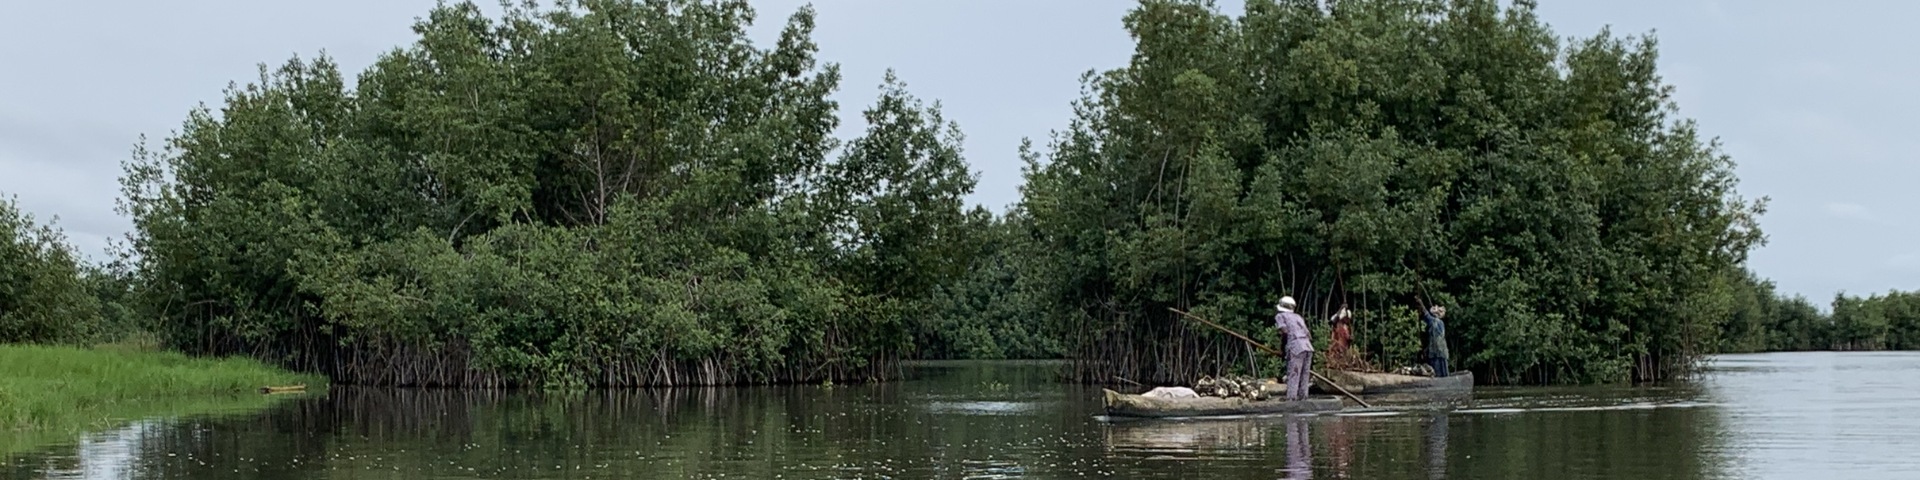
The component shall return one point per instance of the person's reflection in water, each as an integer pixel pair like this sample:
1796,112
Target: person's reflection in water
1299,449
1437,446
1340,444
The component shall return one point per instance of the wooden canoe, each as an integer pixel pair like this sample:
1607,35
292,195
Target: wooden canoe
1124,405
1379,383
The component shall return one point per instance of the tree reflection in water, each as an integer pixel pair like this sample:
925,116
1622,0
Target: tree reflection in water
937,427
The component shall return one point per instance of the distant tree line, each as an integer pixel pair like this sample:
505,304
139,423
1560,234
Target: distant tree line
630,193
1767,321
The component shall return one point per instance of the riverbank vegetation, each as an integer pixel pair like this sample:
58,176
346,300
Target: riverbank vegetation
631,193
51,387
52,392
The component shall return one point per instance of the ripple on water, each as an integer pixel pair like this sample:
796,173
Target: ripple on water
982,408
991,469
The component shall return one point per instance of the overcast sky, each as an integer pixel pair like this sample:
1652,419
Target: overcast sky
1813,99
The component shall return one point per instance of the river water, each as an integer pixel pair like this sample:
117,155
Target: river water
1789,415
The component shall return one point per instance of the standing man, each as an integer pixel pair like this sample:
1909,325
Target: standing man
1340,354
1436,339
1299,348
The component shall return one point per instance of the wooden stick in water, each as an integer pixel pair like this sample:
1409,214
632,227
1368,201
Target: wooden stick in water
1277,353
286,389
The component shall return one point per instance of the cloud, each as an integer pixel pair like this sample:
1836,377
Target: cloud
1852,210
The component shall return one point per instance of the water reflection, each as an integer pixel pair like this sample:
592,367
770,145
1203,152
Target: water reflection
107,454
1764,417
1184,439
1340,439
1819,414
1337,451
1299,449
1437,445
1373,445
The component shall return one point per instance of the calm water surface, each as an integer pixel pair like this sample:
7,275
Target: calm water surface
1799,415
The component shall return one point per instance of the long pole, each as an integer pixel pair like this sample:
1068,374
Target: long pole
1336,386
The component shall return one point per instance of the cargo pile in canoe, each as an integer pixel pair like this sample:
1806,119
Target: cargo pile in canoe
1124,405
1378,383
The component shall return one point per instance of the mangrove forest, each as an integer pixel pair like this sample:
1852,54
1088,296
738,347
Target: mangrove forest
628,193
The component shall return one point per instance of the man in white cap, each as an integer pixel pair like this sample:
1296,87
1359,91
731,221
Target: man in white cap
1299,348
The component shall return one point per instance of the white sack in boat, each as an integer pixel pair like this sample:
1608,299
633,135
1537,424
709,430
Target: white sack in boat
1171,392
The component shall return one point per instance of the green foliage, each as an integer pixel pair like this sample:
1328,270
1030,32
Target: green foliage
992,311
44,297
114,286
603,192
629,192
1876,322
895,215
1371,152
1764,320
1391,338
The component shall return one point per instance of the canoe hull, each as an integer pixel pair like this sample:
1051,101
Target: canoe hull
1123,405
1382,383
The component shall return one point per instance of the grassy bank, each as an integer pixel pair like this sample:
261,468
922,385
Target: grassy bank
55,391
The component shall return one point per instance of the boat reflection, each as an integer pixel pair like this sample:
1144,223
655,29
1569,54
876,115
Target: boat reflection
1345,443
1244,438
1241,438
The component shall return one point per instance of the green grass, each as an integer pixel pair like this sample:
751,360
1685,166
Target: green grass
49,393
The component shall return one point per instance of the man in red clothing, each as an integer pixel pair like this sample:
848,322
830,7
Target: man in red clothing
1340,355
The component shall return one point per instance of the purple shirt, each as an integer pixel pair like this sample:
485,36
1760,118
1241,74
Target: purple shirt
1295,329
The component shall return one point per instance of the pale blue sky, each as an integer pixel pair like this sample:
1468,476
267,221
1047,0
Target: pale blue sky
1811,98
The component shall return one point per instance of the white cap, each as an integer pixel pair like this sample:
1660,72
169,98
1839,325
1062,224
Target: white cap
1287,302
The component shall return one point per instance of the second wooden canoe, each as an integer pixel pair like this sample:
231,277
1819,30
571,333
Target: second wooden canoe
1378,383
